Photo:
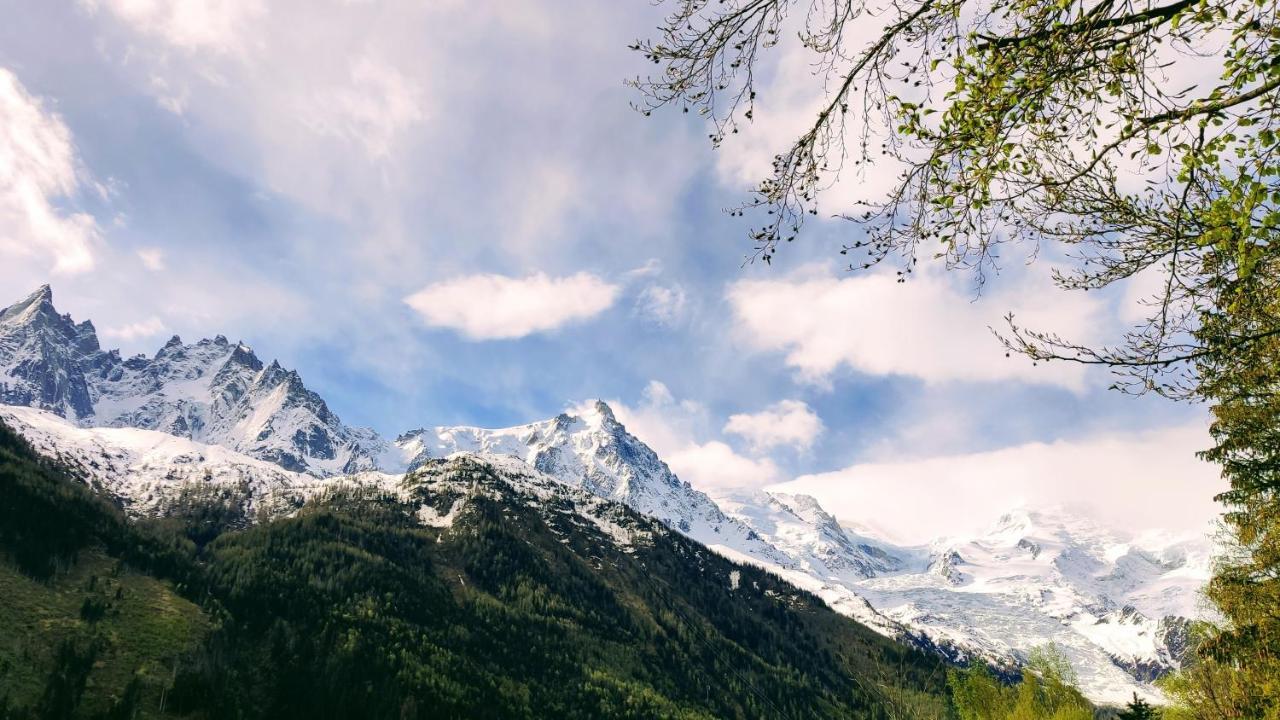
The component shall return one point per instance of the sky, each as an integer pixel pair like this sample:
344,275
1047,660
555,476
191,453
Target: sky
449,213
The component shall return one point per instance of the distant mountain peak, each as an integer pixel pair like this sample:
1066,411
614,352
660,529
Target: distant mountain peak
210,391
44,357
242,354
43,295
27,309
605,412
586,447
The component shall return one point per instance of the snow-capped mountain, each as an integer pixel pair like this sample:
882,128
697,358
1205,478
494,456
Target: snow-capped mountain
1116,606
812,538
46,359
591,450
212,391
212,412
145,470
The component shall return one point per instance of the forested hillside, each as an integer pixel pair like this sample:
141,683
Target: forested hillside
366,604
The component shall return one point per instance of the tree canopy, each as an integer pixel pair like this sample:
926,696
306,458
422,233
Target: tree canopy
1132,137
1046,691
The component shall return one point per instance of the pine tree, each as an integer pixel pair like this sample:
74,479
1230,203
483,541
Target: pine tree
1138,709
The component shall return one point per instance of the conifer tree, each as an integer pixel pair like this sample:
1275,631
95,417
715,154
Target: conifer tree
1137,709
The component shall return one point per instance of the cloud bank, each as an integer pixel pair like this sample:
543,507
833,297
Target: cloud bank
928,328
1140,481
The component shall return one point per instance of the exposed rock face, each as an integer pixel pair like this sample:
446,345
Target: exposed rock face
591,450
45,357
212,391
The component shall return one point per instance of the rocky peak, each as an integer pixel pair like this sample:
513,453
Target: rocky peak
588,448
210,391
28,307
947,565
45,357
87,338
242,356
607,418
36,313
409,435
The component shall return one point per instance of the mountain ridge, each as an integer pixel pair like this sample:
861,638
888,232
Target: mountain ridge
1118,608
212,391
475,587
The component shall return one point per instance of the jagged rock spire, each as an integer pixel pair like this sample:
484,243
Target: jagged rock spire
210,391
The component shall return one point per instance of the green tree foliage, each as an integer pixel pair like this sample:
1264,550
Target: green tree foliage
1046,692
33,493
1207,687
1246,431
1138,709
85,629
352,608
1066,123
1236,671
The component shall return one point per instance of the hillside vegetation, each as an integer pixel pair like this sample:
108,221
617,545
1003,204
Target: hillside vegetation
352,607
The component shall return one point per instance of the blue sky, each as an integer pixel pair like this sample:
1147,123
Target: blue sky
448,213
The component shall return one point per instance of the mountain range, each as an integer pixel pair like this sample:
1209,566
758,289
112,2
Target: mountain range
139,429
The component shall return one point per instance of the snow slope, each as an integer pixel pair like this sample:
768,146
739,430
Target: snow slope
146,469
1117,610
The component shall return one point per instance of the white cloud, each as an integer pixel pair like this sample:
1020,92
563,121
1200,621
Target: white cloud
673,429
540,218
38,167
169,98
372,109
651,268
1141,481
661,304
291,94
662,423
714,467
150,327
493,307
152,258
426,125
787,423
218,25
929,327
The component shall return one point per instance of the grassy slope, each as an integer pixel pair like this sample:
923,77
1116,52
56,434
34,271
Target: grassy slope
83,632
140,626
